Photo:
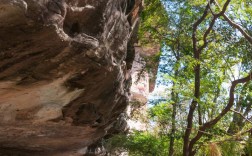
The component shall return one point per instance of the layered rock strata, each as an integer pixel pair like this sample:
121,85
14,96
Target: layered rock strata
64,73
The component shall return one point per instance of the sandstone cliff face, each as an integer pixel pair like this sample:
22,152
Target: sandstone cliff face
64,72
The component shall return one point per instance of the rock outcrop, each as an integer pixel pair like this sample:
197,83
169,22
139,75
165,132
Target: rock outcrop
143,83
64,72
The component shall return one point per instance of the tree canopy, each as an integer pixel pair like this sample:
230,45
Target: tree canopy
207,62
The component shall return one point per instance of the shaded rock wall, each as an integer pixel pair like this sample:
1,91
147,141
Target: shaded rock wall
64,72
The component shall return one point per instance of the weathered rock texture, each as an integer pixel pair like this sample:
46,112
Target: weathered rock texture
143,83
64,72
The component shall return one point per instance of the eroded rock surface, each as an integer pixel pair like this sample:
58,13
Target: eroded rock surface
64,72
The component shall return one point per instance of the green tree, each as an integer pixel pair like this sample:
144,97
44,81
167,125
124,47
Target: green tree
207,45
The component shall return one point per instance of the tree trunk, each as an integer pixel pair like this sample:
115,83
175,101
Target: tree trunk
174,97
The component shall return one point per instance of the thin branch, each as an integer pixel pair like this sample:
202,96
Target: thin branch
197,23
225,140
211,8
242,133
223,10
205,132
207,33
215,16
234,137
232,23
244,33
241,115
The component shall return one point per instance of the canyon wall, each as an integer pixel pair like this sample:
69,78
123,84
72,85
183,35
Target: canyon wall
64,73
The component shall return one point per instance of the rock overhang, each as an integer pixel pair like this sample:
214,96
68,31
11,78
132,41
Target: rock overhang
63,72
